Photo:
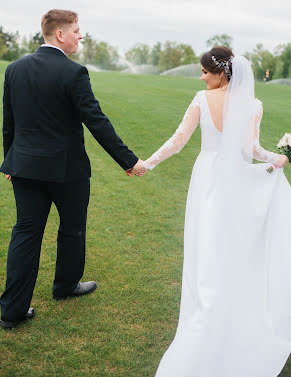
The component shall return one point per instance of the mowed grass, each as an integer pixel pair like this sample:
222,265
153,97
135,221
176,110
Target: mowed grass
134,240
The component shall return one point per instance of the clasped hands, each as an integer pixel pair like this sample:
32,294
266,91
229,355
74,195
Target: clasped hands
138,169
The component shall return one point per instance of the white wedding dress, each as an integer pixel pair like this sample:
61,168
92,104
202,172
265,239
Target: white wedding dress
235,315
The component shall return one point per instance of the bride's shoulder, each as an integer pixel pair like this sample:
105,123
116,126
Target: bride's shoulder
198,95
196,101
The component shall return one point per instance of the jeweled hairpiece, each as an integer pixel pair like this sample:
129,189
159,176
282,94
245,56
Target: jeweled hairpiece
225,64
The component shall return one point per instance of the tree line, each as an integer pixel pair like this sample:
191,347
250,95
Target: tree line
162,55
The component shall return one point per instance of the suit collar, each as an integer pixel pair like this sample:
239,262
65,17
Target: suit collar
53,46
50,50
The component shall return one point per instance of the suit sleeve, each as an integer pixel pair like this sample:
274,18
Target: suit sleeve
98,123
8,120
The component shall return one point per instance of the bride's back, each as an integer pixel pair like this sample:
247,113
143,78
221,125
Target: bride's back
215,102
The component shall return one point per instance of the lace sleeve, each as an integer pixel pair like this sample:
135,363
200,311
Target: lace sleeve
180,137
261,154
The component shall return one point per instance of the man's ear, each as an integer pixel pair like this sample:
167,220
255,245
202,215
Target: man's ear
59,35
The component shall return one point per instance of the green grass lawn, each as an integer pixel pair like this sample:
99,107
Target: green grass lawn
134,240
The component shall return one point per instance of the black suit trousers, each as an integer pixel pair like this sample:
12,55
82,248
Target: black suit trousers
33,202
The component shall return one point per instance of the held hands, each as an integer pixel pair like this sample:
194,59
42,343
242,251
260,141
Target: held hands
138,169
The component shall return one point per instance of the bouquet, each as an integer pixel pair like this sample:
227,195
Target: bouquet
284,147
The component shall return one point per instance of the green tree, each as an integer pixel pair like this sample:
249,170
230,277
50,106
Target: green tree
170,56
268,62
279,63
31,44
278,74
262,60
278,51
219,40
139,54
3,40
286,59
9,46
155,53
99,53
88,49
174,55
188,54
105,56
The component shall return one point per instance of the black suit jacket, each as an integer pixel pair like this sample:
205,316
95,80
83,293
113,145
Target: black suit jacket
46,99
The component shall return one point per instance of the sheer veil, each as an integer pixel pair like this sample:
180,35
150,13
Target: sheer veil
234,165
234,168
237,182
238,118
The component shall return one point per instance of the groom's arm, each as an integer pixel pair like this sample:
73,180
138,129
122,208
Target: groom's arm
98,123
8,119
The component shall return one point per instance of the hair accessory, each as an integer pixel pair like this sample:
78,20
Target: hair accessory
225,64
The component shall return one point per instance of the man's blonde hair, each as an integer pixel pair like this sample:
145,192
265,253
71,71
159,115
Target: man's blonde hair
56,18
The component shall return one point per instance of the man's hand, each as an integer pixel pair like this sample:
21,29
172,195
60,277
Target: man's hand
128,172
8,177
138,169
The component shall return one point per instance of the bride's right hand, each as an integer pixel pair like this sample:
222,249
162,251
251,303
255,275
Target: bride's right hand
282,161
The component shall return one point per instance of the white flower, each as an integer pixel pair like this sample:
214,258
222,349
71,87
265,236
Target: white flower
285,141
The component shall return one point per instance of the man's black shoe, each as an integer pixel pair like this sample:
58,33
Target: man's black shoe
80,290
11,324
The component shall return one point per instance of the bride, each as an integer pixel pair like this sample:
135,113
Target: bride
235,315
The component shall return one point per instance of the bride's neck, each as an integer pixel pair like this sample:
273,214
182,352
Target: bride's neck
222,88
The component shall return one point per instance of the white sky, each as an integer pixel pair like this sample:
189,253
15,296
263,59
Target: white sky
123,23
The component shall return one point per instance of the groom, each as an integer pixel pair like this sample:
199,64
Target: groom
46,99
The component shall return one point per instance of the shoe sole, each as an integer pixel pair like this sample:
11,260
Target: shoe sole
74,296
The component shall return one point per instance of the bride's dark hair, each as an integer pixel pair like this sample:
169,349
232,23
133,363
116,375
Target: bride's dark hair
221,54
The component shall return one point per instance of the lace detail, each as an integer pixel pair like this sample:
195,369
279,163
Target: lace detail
181,136
188,125
259,153
196,101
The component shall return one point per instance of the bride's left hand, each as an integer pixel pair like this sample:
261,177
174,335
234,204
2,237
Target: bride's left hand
282,161
138,169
